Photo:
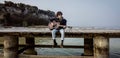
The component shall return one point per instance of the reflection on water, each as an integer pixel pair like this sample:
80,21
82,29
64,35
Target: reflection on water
114,47
59,51
62,51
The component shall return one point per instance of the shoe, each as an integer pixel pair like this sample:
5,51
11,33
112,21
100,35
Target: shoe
55,43
61,44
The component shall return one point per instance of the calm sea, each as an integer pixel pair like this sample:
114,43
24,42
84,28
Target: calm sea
114,47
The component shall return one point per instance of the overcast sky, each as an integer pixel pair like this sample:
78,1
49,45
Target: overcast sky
83,13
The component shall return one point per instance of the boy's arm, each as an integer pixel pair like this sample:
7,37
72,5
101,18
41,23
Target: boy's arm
50,25
64,25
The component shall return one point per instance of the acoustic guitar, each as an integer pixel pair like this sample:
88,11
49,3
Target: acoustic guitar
55,25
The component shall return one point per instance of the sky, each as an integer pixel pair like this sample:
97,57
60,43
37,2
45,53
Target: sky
82,13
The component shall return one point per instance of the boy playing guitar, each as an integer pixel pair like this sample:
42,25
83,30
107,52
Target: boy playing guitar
58,24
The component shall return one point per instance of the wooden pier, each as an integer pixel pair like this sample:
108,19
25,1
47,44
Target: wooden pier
96,41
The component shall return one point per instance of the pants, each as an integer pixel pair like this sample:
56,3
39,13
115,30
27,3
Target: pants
54,31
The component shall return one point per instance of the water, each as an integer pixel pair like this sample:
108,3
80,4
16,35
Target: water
62,51
114,48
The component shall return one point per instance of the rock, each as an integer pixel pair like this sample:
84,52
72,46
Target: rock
19,14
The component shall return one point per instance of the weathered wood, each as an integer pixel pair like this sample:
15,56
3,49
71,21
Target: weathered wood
48,46
30,42
101,47
39,56
33,56
10,46
45,32
88,46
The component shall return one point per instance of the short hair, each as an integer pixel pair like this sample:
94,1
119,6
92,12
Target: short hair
59,13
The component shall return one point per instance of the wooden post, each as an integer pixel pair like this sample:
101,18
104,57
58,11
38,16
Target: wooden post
88,46
10,46
101,47
30,42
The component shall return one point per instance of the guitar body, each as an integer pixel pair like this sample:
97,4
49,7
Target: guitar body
53,25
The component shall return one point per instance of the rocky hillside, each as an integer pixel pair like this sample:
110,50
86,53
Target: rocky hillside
19,14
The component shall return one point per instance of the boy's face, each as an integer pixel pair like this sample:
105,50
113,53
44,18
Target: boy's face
59,16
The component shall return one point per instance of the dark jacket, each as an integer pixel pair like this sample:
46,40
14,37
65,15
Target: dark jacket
62,22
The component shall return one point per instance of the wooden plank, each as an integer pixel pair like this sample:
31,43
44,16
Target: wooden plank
67,35
38,56
50,46
26,29
45,32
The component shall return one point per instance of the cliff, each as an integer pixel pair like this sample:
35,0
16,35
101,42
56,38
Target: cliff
19,14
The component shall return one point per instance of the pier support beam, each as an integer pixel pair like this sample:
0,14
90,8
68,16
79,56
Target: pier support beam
101,47
10,46
30,42
88,46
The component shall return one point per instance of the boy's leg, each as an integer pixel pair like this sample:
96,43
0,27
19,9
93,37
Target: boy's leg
62,37
54,33
54,36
